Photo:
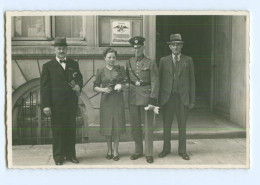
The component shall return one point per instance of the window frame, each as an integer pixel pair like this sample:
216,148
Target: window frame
53,30
47,28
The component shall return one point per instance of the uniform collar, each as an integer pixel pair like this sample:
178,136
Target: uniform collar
140,57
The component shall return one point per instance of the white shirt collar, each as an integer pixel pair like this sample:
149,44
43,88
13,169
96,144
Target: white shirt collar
59,59
179,56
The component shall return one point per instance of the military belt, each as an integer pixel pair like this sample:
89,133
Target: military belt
141,83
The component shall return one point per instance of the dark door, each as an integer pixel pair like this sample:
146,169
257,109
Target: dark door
196,32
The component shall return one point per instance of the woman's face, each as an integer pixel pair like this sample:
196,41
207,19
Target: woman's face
110,59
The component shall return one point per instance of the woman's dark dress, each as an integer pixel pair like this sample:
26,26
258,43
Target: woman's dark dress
112,107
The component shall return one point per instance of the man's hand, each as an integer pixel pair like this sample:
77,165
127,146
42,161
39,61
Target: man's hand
76,88
191,106
47,111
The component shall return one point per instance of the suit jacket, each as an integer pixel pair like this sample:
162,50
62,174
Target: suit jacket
185,79
147,71
55,90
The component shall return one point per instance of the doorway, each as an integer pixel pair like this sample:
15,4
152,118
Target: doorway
196,33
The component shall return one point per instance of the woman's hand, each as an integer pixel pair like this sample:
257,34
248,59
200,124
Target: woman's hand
118,87
107,90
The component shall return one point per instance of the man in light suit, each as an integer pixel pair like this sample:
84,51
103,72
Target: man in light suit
61,82
143,78
177,93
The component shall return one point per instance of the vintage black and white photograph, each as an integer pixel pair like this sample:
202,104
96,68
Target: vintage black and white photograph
127,89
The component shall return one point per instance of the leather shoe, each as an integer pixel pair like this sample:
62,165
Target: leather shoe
185,156
163,154
135,156
116,158
58,163
73,159
110,156
149,159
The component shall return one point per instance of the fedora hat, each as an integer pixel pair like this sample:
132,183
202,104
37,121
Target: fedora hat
60,41
175,38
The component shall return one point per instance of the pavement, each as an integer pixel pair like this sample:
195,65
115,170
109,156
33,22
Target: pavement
204,153
201,124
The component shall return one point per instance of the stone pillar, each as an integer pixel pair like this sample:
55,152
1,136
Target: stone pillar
149,32
239,71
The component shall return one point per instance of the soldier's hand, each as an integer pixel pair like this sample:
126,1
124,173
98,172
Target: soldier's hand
47,111
156,110
149,107
76,88
191,106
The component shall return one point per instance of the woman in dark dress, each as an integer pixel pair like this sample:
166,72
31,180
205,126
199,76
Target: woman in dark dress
110,81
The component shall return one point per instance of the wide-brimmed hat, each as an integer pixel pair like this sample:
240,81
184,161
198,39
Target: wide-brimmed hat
175,38
60,41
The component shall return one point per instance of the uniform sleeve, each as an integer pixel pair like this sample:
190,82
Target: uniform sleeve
192,82
97,81
45,87
154,76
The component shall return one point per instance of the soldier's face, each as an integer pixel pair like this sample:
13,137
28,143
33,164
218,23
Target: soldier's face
60,51
110,59
139,49
176,48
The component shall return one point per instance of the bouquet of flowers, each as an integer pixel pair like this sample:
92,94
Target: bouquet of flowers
118,79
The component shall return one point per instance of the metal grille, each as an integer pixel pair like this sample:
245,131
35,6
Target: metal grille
31,126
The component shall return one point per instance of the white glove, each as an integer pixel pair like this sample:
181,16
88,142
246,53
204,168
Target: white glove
152,107
118,87
47,111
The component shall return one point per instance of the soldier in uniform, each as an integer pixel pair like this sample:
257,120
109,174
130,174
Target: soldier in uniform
143,79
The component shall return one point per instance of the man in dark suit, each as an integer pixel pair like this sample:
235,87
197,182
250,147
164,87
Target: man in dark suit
143,91
61,81
177,93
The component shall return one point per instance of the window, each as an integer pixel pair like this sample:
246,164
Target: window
105,28
68,26
31,28
47,28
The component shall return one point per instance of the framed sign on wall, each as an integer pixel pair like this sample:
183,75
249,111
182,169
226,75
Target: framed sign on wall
121,32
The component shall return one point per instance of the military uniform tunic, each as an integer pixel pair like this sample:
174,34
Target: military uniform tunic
143,90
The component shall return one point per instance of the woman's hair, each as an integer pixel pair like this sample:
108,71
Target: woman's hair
109,50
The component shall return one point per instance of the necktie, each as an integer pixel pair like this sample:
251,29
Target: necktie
63,61
175,60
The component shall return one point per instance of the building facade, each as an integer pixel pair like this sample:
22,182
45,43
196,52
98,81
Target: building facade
216,43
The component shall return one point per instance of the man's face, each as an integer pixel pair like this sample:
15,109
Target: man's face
176,47
60,51
138,49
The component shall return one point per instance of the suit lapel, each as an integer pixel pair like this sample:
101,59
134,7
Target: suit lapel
170,63
182,64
